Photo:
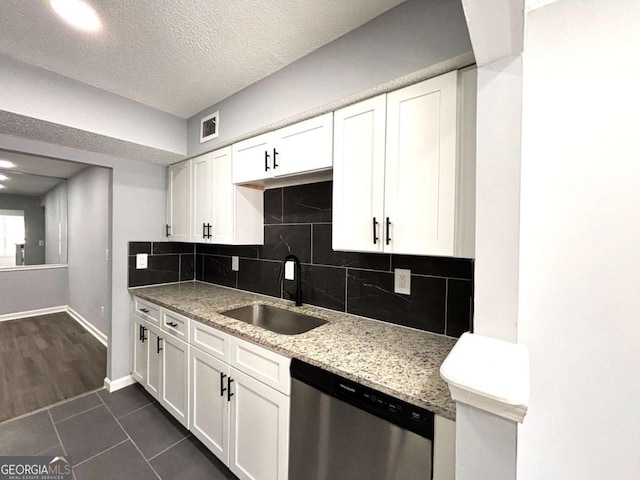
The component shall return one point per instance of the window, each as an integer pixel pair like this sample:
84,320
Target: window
12,233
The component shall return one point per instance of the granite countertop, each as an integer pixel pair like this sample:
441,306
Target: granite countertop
396,360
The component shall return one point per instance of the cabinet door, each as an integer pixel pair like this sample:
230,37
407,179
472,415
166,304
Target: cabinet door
174,386
304,147
179,201
252,159
140,347
358,176
222,197
209,403
259,432
154,362
420,173
201,207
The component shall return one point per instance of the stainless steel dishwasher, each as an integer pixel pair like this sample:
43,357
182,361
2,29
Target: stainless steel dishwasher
341,430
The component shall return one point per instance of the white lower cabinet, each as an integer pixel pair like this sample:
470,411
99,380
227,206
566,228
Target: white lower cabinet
160,363
209,402
244,422
174,382
140,349
154,361
259,431
232,394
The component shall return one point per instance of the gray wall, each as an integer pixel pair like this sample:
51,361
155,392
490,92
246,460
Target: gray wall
89,235
34,224
138,211
24,290
412,36
38,93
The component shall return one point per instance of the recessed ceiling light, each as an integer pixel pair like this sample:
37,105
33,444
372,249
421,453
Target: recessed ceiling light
3,177
77,13
6,164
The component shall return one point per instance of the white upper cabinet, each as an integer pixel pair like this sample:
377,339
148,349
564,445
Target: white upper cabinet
179,190
358,175
216,210
401,170
300,148
304,146
420,167
252,159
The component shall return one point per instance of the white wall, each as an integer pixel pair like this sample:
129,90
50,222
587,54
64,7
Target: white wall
44,95
89,236
580,236
24,290
138,211
412,36
498,198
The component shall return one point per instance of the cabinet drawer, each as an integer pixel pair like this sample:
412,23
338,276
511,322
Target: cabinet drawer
146,310
269,367
210,340
175,324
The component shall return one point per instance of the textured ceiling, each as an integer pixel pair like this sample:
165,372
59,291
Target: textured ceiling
179,56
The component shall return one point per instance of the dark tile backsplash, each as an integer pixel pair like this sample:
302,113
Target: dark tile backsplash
298,221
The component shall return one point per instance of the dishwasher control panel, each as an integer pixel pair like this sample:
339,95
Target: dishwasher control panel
399,412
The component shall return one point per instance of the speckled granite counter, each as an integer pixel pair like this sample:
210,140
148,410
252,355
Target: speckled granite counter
399,361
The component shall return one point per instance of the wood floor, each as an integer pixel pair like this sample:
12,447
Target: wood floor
44,360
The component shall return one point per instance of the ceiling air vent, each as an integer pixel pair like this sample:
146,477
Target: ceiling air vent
209,126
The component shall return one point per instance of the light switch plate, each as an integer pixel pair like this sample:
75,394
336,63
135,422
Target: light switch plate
235,263
142,260
289,271
402,281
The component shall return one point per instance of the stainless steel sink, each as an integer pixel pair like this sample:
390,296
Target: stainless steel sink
275,319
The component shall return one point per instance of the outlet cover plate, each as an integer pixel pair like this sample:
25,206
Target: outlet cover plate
142,260
402,281
289,271
235,263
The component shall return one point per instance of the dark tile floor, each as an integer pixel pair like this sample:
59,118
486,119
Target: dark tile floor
124,434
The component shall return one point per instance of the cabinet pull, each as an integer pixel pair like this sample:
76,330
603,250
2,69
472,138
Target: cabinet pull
140,334
375,231
388,239
222,387
158,347
208,230
266,161
168,229
229,394
144,330
275,165
172,324
204,230
144,310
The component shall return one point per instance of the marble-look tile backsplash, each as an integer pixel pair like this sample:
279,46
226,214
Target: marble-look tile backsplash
298,221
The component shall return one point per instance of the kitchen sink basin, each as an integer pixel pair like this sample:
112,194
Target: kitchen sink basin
275,319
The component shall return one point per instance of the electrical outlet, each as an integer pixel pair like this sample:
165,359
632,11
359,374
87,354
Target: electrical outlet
289,271
235,263
402,281
142,260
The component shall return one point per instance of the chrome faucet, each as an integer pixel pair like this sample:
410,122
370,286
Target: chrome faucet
297,275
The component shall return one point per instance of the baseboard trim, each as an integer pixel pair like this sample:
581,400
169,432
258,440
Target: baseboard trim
113,385
32,313
101,337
